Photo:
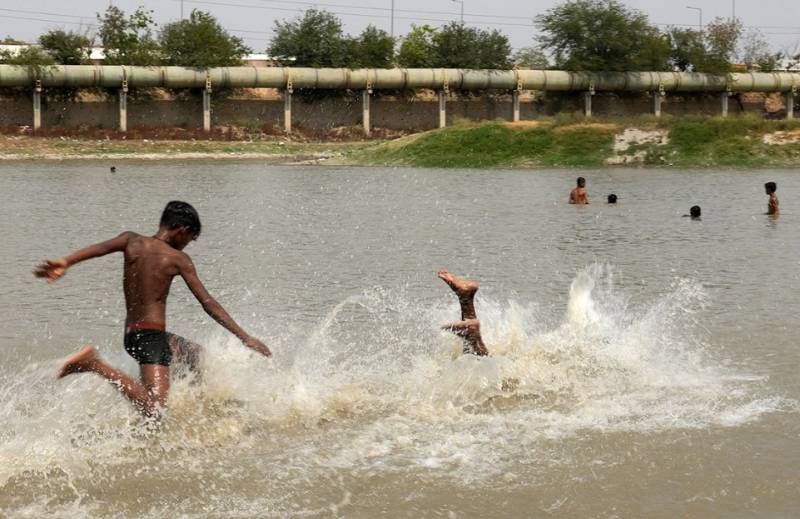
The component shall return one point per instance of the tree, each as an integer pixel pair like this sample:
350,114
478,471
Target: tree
201,42
128,40
687,49
314,39
66,48
722,38
597,35
31,56
416,48
756,52
457,46
530,58
374,48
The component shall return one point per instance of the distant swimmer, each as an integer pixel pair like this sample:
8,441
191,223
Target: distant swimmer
579,195
612,199
151,263
469,327
773,206
694,212
113,169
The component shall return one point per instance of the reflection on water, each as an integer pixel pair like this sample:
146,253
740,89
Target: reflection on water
642,363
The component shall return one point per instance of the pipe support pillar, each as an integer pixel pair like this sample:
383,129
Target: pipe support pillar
365,116
790,104
515,106
442,108
587,104
287,110
207,110
123,109
724,99
37,105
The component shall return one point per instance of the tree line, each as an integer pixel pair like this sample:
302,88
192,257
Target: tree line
580,35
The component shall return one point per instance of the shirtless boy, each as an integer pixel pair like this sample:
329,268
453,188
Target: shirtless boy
151,262
773,206
579,195
469,327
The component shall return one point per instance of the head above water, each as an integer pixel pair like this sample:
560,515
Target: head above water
581,182
694,212
770,187
612,199
182,223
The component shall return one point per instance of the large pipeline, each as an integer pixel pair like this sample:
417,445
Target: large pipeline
109,76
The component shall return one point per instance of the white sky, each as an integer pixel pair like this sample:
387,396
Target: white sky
253,20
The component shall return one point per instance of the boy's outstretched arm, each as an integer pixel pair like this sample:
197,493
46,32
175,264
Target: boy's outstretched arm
53,270
215,310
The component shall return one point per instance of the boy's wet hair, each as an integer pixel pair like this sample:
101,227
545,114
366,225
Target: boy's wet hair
180,214
771,187
581,181
695,211
612,199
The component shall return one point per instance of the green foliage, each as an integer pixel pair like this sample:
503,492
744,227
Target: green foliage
374,48
8,40
66,47
687,49
128,40
602,35
314,39
201,42
530,58
33,57
756,52
416,48
457,46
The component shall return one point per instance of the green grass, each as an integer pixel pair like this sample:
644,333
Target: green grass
570,141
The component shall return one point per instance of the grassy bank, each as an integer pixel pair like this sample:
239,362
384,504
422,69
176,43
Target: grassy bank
571,141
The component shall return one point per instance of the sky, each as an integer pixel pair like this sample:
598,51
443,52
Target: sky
253,20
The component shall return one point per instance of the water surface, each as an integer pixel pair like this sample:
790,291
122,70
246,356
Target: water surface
644,364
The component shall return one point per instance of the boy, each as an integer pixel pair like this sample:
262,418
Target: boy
579,195
469,327
150,265
773,206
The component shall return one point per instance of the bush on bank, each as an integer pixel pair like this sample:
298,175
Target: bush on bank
569,141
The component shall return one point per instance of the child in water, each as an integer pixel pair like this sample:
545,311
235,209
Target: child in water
579,195
773,206
150,264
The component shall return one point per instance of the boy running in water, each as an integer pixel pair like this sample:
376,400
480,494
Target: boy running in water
151,262
469,327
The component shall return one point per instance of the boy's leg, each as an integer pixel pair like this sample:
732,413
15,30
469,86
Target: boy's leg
185,351
469,328
465,291
146,396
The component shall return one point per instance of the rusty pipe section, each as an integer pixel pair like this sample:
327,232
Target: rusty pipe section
110,76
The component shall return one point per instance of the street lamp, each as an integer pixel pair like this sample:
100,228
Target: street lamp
700,12
462,9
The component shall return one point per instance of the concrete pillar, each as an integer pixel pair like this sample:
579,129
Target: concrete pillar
790,105
365,115
657,98
442,108
206,110
37,106
725,104
515,106
123,110
287,110
587,104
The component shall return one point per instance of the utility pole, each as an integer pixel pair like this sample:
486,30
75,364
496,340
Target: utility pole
700,11
733,10
181,9
462,9
391,31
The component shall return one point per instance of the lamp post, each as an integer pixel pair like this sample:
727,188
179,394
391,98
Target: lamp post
462,9
700,12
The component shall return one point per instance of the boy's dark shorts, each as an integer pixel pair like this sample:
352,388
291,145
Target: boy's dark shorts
149,347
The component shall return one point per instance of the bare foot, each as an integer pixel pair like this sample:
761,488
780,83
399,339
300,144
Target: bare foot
80,361
461,286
